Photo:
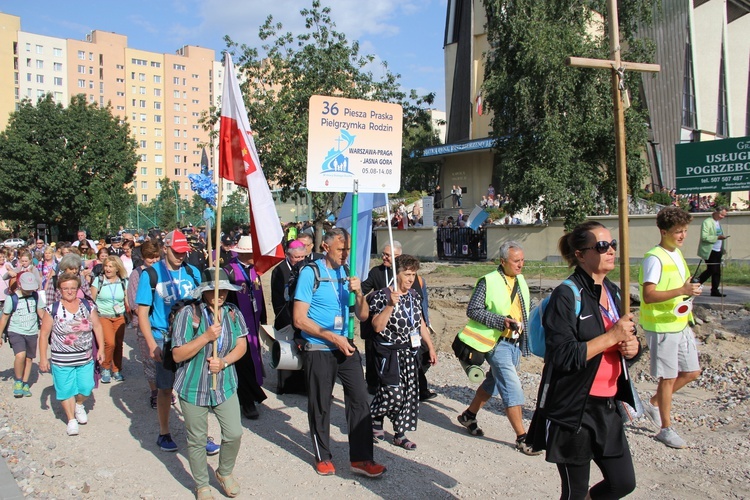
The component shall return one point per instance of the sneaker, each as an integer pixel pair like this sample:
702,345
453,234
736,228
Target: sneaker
368,468
81,416
117,377
26,390
669,437
18,389
525,448
211,447
73,427
106,376
427,395
325,468
470,423
652,414
164,441
152,399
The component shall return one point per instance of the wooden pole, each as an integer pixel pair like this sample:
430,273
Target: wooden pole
618,67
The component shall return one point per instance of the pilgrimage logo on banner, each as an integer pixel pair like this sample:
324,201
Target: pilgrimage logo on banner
239,163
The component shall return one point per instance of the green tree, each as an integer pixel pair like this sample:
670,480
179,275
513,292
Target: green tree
555,124
419,134
235,212
66,166
278,85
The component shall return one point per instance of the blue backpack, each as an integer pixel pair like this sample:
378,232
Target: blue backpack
535,330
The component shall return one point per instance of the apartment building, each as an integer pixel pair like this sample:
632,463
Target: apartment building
161,96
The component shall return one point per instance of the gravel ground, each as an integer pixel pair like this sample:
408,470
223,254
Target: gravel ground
115,455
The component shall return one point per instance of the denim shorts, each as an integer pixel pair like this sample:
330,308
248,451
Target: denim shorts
502,378
164,377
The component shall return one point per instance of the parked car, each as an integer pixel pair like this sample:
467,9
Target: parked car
14,243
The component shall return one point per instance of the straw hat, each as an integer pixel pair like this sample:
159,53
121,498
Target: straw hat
245,245
207,282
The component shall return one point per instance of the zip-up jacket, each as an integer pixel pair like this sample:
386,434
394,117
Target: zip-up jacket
567,376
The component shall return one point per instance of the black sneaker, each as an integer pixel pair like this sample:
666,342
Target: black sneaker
718,294
427,395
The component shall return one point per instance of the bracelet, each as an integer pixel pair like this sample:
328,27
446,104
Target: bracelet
225,364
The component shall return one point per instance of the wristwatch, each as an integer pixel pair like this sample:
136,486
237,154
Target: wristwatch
225,364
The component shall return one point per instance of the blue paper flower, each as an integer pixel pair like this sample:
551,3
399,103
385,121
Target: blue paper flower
204,187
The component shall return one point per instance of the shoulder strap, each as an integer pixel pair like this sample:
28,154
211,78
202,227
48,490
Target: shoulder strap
152,278
316,272
191,273
55,308
14,301
576,294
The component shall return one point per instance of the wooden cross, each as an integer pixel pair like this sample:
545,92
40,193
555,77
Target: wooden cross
618,67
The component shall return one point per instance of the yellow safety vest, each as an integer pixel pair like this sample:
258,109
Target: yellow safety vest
659,316
497,299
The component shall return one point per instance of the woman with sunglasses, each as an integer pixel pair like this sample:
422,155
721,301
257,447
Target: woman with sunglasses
588,339
87,253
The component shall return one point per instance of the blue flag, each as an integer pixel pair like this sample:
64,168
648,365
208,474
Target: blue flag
367,202
477,216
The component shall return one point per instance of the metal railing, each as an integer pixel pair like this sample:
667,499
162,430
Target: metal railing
461,243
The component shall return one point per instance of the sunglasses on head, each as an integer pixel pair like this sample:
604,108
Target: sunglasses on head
603,246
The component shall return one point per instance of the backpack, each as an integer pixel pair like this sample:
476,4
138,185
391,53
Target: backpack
14,301
535,330
291,287
166,354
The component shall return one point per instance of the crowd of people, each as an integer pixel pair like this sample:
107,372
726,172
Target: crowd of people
198,333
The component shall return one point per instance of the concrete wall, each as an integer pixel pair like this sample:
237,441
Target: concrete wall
540,242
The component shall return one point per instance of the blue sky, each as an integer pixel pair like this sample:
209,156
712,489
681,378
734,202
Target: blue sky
407,34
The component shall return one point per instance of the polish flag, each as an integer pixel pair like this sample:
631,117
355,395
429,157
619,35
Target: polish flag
479,104
239,163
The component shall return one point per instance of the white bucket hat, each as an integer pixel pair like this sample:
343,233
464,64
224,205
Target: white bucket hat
245,245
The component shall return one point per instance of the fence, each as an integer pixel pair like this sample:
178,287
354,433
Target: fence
461,243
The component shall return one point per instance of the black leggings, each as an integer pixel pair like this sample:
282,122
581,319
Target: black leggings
619,478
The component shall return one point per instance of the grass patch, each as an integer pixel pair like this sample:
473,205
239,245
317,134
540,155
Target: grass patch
733,274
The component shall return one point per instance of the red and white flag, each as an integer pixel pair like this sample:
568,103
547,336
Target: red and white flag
479,104
239,163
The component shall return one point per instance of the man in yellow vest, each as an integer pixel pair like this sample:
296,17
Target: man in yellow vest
498,313
665,287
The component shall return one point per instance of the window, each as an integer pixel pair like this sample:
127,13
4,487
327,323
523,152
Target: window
176,106
28,62
101,87
144,198
176,80
39,93
142,90
184,133
82,55
57,67
179,67
184,172
159,172
132,75
689,119
132,89
177,171
158,185
120,66
133,102
184,81
57,52
195,101
177,159
184,95
120,94
39,64
157,118
177,145
58,81
157,78
58,96
28,47
144,157
144,170
142,77
158,159
39,78
142,103
195,89
177,120
155,64
157,132
144,184
157,92
139,62
157,105
143,144
194,76
120,80
91,84
91,70
134,117
157,145
81,84
81,69
176,133
143,130
39,49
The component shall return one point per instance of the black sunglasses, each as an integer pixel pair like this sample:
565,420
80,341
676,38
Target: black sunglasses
603,246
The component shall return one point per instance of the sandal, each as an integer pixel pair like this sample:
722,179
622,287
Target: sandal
204,493
378,435
230,485
404,443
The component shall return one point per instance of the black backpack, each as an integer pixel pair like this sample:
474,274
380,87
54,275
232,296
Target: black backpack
291,286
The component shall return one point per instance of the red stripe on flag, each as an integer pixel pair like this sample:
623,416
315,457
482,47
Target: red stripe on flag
232,146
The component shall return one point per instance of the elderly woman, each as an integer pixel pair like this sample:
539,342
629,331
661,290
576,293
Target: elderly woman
195,331
108,291
577,420
68,330
399,332
72,264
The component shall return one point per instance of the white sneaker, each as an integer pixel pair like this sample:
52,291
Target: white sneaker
81,416
669,437
652,414
73,427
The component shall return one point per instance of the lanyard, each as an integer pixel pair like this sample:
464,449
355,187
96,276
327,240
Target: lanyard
612,313
410,309
209,321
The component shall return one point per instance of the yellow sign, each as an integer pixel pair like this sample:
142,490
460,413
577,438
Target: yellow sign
354,139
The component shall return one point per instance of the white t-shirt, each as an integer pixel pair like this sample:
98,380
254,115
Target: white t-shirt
652,267
717,245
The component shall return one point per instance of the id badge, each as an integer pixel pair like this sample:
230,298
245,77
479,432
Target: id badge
119,309
338,323
416,339
255,304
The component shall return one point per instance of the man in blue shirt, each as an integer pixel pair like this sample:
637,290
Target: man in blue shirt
176,281
322,314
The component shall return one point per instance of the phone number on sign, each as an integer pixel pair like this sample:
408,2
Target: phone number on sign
375,171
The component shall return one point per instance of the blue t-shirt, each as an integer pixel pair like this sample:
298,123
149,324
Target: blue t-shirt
171,287
331,299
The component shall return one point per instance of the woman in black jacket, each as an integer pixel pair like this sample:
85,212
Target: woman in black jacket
585,372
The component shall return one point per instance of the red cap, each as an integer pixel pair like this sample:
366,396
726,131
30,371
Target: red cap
177,241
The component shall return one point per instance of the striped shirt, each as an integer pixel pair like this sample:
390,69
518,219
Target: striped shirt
193,380
72,335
